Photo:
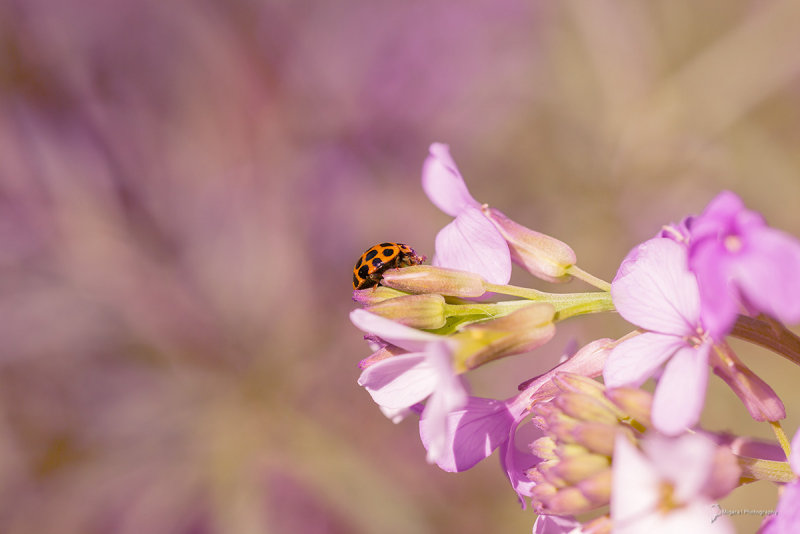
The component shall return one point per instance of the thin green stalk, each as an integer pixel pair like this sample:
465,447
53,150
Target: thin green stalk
580,274
758,469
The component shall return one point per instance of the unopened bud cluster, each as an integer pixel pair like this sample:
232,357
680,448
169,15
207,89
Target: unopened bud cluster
581,424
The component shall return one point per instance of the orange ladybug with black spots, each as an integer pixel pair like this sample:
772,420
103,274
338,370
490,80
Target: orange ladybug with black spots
378,259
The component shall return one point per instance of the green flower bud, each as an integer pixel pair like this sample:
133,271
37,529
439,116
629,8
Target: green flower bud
417,311
518,332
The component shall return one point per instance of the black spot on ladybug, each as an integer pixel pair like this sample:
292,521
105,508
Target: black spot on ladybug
355,280
371,254
360,261
386,244
377,262
363,272
388,252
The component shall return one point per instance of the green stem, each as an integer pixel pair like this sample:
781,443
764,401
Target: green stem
601,302
781,435
489,309
771,335
580,274
759,469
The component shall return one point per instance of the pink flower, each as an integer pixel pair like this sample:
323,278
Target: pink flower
471,242
738,259
482,425
665,487
483,240
554,524
787,518
399,382
654,290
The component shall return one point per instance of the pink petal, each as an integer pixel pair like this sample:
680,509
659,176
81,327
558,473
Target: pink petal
655,290
681,391
516,463
636,359
635,485
718,295
400,381
686,461
397,334
768,274
443,184
794,457
448,396
588,361
472,243
473,433
554,524
787,521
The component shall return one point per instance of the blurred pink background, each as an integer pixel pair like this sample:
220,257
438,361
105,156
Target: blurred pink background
185,186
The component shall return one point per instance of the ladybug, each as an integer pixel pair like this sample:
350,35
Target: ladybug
378,259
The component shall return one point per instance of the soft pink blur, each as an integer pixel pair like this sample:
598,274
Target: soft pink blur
184,188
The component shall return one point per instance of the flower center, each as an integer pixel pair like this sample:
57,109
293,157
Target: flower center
732,243
666,501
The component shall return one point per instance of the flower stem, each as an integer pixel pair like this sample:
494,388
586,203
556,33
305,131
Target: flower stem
580,274
781,435
758,469
771,335
576,303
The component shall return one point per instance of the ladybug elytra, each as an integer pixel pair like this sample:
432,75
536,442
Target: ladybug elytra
378,259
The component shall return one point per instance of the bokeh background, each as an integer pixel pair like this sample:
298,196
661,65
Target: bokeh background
185,186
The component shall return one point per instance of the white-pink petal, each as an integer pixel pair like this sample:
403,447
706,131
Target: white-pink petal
554,524
794,457
635,486
681,390
449,395
473,433
685,461
472,243
636,359
400,381
443,184
655,290
397,334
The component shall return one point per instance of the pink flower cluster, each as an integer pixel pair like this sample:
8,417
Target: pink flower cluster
721,273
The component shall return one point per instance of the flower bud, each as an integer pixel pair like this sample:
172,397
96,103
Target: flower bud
375,294
430,279
597,487
585,408
515,333
636,403
759,398
566,501
579,468
382,353
416,311
544,448
543,256
581,424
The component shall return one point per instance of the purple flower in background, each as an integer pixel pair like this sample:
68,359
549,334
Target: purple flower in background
654,290
400,382
471,242
738,259
667,487
787,518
